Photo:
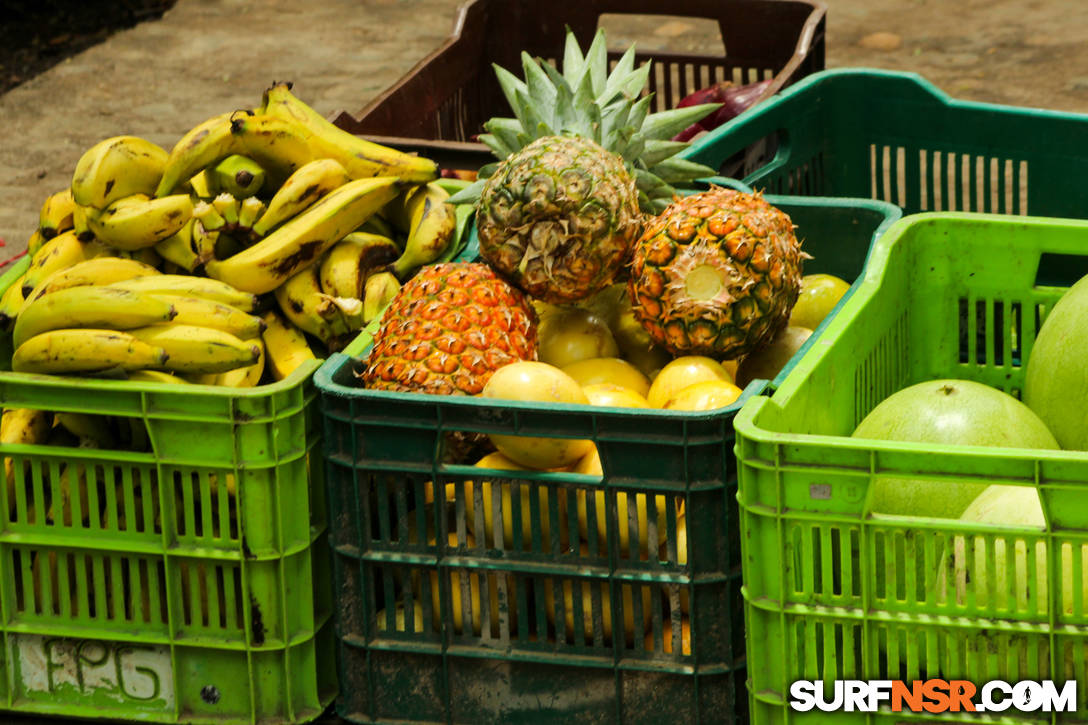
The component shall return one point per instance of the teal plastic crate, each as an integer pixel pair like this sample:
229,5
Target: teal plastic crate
532,655
187,583
833,591
867,133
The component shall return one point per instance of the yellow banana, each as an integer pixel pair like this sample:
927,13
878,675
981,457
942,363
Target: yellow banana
360,157
227,206
147,255
60,252
84,350
97,271
197,349
345,267
201,186
99,307
247,377
189,286
431,231
249,211
11,302
137,221
155,376
280,146
202,241
239,176
300,242
380,290
208,313
80,225
56,213
35,242
285,346
177,248
21,426
377,224
94,429
309,309
115,168
305,186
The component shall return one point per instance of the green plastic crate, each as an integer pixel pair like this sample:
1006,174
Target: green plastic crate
173,609
833,592
896,137
526,663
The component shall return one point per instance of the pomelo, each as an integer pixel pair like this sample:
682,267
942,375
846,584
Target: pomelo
947,412
1056,377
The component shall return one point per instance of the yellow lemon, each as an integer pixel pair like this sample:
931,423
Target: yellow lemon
707,395
609,370
819,295
614,396
682,372
571,334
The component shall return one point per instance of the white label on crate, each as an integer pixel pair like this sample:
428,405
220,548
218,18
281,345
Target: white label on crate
94,669
819,491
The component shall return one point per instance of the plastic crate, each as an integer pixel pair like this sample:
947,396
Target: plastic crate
191,583
526,662
896,137
834,592
440,105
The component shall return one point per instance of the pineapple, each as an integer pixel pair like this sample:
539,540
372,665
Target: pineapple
559,218
448,329
717,274
581,162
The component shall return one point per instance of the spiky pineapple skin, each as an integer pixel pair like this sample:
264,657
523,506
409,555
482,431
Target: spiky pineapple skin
559,218
448,329
737,239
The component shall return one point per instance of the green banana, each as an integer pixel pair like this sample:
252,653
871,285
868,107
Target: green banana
177,248
56,213
208,313
137,221
361,158
190,286
239,176
115,168
84,350
300,242
309,309
60,252
101,307
279,146
381,288
197,349
96,271
305,186
431,230
345,267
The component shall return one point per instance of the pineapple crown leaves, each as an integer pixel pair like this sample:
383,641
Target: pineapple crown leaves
584,99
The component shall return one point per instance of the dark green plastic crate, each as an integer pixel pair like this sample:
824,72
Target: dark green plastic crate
382,450
896,137
833,591
169,611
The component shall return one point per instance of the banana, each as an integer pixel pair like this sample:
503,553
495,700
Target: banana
280,146
227,207
115,168
96,271
137,221
177,248
377,224
21,426
239,176
380,290
55,215
88,427
84,350
60,252
201,186
79,223
345,267
247,377
249,211
360,157
188,286
309,309
285,346
197,349
11,301
208,313
35,242
301,189
96,307
202,242
431,230
300,242
227,245
208,215
155,376
147,255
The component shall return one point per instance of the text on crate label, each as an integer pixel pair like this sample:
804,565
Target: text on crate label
120,671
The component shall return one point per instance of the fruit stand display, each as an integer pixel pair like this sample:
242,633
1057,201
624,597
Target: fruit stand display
912,146
439,106
881,539
165,527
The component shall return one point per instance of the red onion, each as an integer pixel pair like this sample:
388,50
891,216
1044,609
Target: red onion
734,99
